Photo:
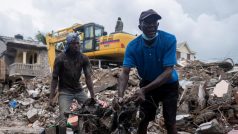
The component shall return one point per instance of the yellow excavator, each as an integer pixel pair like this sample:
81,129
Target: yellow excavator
94,42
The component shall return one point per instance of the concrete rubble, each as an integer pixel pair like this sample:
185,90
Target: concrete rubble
208,101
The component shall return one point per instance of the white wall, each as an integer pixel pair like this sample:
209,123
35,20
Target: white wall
184,56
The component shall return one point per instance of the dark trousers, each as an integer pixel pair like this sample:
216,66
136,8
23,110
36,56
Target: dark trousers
168,95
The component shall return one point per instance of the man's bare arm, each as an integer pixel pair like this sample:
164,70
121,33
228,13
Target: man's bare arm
160,80
55,77
88,72
123,80
54,83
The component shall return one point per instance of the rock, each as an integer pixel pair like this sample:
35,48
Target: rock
204,117
133,82
183,108
12,89
231,113
185,84
221,88
26,101
212,127
236,97
235,107
233,132
212,82
106,121
32,115
34,93
181,120
196,78
51,130
36,124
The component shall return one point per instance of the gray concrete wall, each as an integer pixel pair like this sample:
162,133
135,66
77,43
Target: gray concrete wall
43,58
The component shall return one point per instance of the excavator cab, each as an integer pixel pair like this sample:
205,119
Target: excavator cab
90,34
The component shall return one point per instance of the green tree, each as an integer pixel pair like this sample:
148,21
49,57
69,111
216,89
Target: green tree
41,37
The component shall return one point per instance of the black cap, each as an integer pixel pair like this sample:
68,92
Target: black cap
148,13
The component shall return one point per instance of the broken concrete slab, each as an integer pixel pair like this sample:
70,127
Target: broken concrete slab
26,101
212,127
221,88
181,119
183,108
32,115
233,132
191,104
36,124
185,84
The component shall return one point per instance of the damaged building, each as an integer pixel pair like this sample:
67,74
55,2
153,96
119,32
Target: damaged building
22,59
184,53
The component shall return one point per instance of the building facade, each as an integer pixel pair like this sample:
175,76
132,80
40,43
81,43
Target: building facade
183,52
19,57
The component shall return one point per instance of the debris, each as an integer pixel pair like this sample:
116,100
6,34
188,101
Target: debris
204,117
233,132
197,107
73,120
212,127
236,97
181,120
221,88
201,95
26,101
13,104
32,115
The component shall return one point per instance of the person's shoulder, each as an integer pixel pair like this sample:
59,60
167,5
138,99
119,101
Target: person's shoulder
84,57
134,42
166,35
60,56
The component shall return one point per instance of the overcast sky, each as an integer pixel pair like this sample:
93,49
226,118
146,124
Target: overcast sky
208,26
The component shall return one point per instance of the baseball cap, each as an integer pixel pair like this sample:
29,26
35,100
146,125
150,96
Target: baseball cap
149,13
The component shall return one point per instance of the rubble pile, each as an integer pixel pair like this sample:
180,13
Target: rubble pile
208,100
26,103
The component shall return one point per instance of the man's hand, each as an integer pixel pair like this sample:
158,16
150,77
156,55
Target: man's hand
51,105
90,102
116,103
139,96
119,99
51,102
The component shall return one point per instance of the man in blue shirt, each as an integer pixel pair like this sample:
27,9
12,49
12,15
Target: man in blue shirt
153,53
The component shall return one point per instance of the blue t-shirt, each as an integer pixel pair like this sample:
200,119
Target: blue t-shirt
151,60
